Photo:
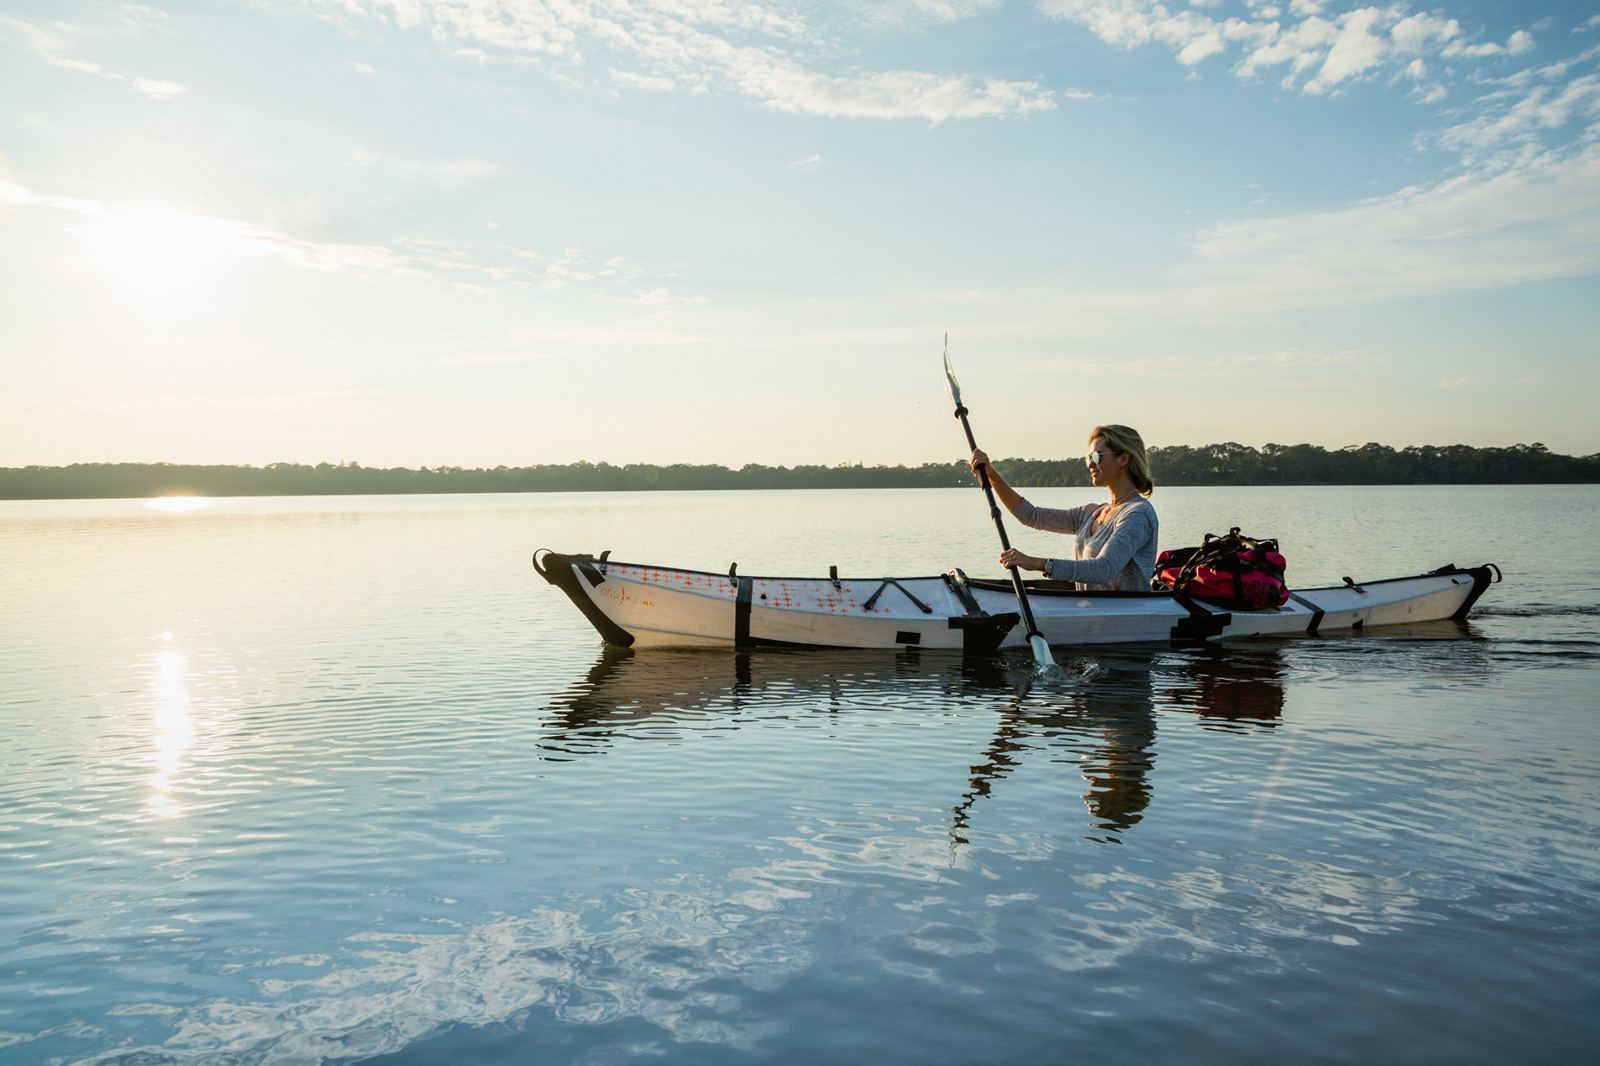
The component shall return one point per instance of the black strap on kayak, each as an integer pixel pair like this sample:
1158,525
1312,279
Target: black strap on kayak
981,632
1316,612
873,599
1201,623
733,574
833,575
741,611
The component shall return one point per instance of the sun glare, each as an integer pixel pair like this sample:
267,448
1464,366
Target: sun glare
159,251
178,503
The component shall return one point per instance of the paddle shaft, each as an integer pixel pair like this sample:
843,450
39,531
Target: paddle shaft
1000,527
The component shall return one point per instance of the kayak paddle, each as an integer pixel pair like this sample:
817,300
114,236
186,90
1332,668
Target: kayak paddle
1041,650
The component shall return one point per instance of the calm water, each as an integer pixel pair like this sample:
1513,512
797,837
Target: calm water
323,780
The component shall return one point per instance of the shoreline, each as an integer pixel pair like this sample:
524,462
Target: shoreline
1179,466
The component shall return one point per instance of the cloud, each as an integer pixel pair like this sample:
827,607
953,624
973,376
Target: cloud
81,66
1355,49
320,255
912,11
1131,23
1319,51
1521,122
766,52
1508,224
364,68
573,267
640,81
51,42
810,162
159,90
21,196
659,297
787,86
560,275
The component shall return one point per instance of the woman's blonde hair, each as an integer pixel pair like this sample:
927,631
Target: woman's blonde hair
1125,440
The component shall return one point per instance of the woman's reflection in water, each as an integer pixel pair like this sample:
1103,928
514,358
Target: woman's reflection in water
1101,720
1104,720
1118,770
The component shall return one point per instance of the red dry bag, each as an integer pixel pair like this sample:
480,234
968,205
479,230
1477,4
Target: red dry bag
1237,572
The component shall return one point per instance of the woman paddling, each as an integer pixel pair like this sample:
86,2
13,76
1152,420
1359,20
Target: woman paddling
1115,546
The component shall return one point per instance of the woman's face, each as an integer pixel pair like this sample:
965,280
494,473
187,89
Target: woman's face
1110,465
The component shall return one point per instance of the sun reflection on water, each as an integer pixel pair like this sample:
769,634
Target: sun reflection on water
178,503
173,734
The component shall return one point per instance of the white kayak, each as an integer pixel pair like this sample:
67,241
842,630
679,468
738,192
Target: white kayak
638,606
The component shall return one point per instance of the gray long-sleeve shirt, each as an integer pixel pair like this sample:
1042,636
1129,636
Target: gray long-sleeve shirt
1118,554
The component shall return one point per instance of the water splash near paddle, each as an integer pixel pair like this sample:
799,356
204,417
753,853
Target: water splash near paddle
1052,671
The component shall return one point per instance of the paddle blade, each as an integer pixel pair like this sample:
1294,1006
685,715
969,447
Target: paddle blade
952,386
1041,651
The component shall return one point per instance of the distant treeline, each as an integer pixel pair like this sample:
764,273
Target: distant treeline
1215,464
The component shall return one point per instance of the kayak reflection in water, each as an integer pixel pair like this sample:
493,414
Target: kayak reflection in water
1099,730
1115,545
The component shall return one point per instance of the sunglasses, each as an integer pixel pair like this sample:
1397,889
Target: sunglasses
1096,458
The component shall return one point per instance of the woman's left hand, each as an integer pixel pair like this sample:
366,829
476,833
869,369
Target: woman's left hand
1011,557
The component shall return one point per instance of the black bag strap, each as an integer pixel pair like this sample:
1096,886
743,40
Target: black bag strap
1224,553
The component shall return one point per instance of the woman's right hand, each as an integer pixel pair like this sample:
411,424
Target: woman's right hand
979,459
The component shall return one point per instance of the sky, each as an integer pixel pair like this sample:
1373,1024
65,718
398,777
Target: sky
484,232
